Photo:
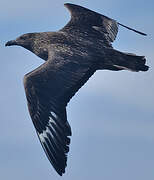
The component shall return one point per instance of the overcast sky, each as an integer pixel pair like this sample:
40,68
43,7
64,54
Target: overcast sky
112,116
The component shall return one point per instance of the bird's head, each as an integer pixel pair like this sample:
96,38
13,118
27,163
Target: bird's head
25,40
34,42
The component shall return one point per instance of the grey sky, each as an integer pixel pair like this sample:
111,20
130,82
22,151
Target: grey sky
112,116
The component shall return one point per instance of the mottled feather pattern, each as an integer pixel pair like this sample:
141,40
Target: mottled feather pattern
111,28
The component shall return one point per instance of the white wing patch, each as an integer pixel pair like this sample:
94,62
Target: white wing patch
54,115
55,141
45,134
42,136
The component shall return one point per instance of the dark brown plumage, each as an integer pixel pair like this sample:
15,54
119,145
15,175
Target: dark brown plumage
72,55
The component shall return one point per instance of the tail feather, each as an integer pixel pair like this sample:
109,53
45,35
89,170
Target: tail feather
116,60
133,63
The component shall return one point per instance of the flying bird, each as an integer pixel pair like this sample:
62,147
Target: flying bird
72,55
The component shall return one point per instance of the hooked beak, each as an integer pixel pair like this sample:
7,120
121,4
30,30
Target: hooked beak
11,43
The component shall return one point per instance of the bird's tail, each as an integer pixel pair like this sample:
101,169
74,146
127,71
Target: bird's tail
116,60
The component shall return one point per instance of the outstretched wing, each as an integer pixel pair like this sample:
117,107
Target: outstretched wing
48,90
87,19
82,17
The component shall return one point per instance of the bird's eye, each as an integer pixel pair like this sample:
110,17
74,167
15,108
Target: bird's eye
22,37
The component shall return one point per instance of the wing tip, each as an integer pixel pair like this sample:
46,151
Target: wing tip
59,168
69,5
77,10
65,4
55,142
60,171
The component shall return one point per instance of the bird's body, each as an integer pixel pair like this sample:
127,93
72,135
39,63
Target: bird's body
72,56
